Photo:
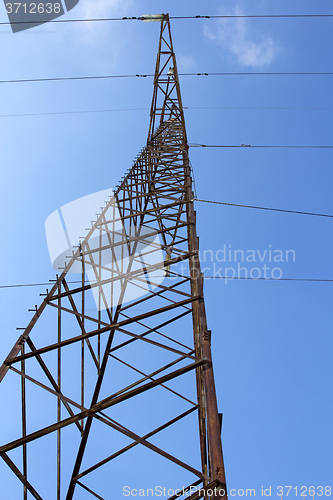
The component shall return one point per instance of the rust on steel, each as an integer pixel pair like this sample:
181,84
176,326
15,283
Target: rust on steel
69,339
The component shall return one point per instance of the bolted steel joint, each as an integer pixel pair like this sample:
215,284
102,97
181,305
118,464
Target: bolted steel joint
207,335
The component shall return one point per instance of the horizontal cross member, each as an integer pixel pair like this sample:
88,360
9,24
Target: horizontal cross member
102,405
115,326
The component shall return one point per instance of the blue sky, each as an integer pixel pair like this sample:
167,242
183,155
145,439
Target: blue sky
272,342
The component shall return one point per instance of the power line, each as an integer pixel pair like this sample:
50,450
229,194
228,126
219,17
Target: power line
254,107
146,109
205,277
73,112
107,77
264,16
231,16
264,208
139,18
59,79
258,73
34,284
251,146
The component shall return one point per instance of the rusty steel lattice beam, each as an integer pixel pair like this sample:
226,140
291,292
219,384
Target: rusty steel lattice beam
89,361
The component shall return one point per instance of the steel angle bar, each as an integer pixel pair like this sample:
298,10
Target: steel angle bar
107,402
23,338
89,490
49,376
114,326
171,288
155,330
150,268
81,321
115,425
24,423
128,447
101,405
20,476
161,293
156,344
55,393
115,348
185,490
151,378
213,485
80,315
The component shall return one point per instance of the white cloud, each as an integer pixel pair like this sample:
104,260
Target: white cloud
93,33
96,47
185,63
249,47
98,8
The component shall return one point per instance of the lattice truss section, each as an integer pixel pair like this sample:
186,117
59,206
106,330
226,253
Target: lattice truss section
111,382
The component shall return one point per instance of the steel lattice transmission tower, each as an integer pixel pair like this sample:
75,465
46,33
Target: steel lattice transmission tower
105,394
